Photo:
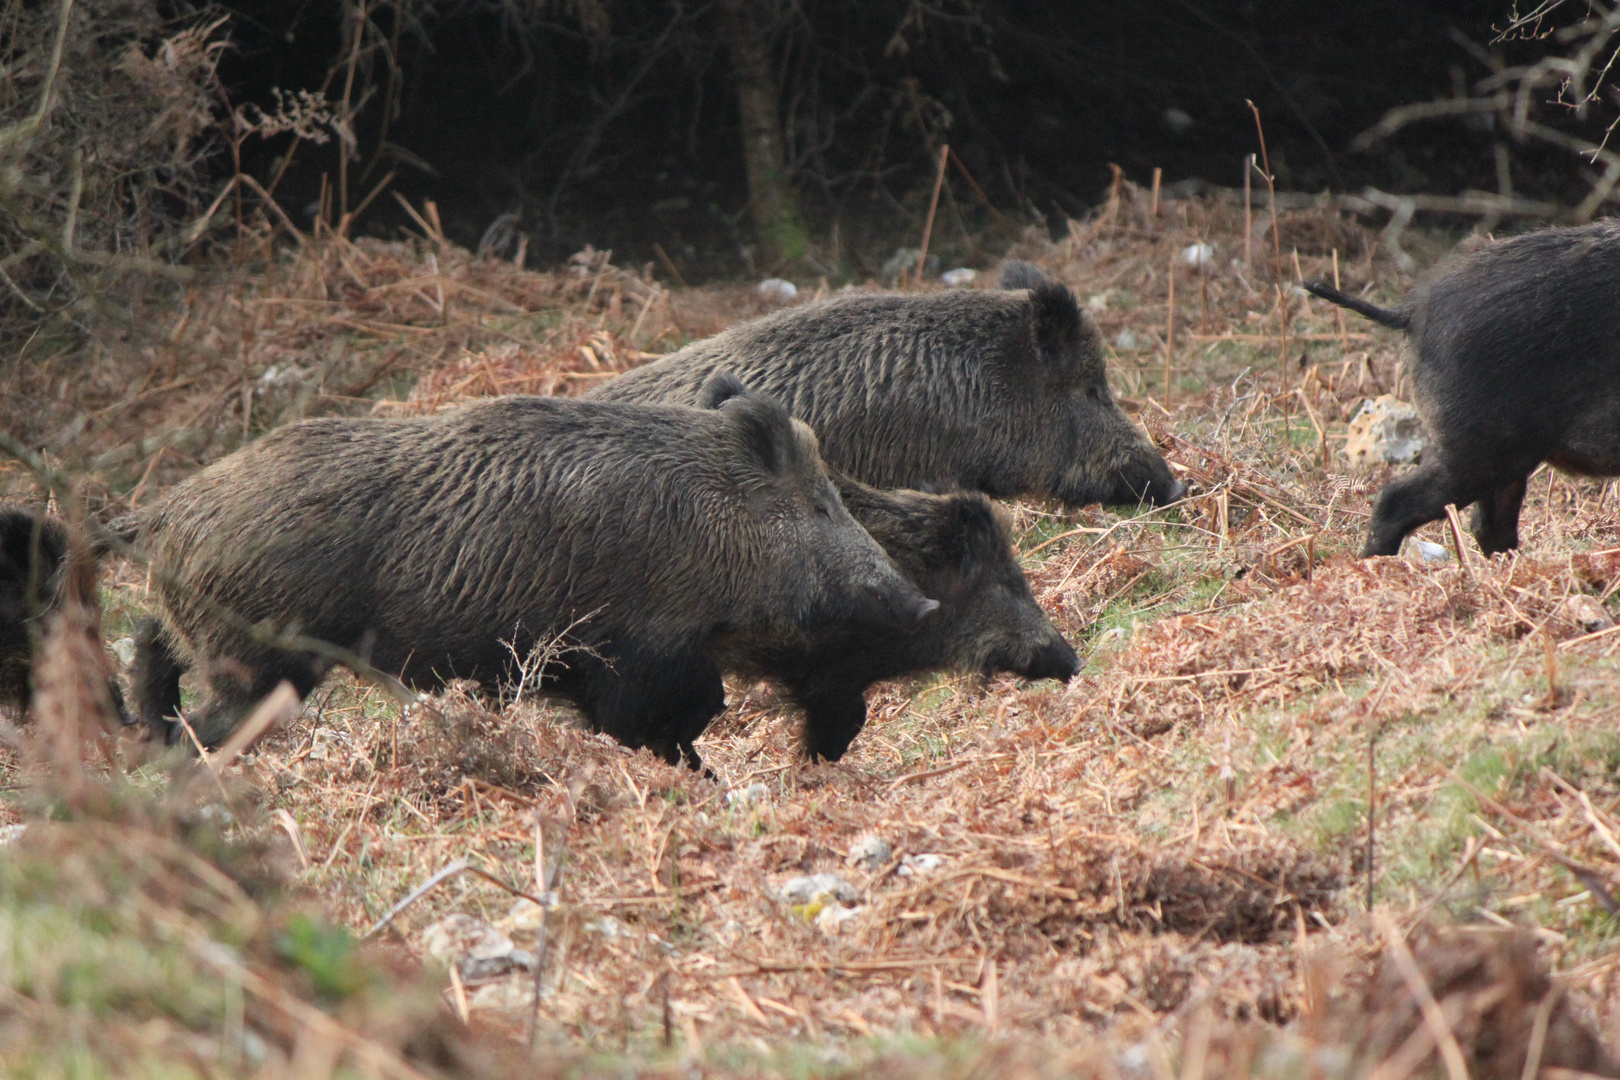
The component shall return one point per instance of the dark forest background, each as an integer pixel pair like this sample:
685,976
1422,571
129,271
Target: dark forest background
616,122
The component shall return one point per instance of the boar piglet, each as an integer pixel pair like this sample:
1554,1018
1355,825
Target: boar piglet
443,547
1516,361
999,391
956,549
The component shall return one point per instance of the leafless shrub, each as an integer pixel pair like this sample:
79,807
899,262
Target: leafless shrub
1563,94
107,114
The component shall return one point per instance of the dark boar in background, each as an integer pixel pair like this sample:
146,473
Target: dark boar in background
957,550
1516,361
33,584
1004,392
433,548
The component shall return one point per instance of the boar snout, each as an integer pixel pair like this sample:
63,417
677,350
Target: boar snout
1056,659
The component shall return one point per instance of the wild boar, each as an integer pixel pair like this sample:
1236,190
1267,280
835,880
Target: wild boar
957,549
1516,361
1003,392
455,545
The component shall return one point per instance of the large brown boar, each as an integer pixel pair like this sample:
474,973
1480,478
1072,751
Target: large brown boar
447,546
1004,392
1517,361
958,550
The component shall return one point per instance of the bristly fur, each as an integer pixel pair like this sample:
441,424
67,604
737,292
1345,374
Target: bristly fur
33,557
958,550
436,546
1517,361
1004,392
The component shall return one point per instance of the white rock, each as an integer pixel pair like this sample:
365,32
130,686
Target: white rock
1100,301
513,993
1198,256
809,888
124,649
1588,613
1432,553
870,852
920,864
526,915
962,275
608,927
1385,430
778,290
490,944
448,938
1125,339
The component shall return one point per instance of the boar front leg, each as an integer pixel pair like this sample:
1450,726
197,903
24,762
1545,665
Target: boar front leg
1496,518
832,719
1415,500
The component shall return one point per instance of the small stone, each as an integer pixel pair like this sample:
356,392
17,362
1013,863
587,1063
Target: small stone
1431,553
1126,339
1385,430
1100,301
449,937
778,290
514,993
525,916
1199,256
870,853
920,864
962,275
1588,613
124,649
811,888
490,944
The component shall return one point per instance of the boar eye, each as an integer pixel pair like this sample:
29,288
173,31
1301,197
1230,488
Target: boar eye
1094,393
823,510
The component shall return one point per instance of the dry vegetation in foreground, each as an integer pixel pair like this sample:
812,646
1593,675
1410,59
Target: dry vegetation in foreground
1162,869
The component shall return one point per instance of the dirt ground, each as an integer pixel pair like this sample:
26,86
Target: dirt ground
1293,796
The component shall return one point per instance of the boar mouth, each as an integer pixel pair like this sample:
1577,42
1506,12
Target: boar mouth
1053,660
1154,490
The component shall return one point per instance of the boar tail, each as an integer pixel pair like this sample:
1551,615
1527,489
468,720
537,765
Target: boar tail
1395,320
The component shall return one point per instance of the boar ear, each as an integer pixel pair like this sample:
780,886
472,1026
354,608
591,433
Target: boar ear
1058,323
719,388
763,427
1018,274
975,532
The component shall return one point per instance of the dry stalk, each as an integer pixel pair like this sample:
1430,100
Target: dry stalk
933,205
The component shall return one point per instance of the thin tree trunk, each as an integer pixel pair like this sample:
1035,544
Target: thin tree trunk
773,203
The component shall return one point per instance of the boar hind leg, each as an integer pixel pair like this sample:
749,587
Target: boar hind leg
1415,500
155,682
832,719
661,702
1496,518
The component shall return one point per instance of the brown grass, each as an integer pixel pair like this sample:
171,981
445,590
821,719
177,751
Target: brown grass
1168,857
